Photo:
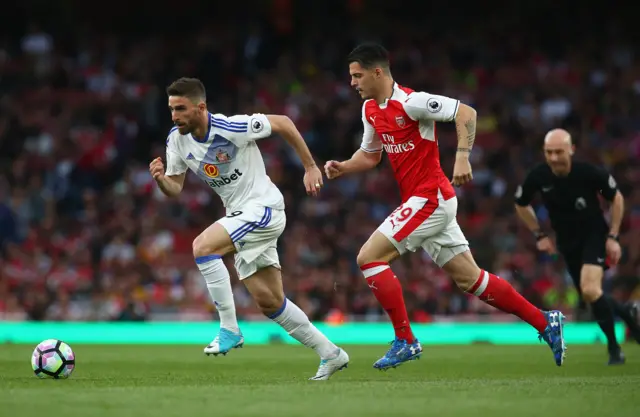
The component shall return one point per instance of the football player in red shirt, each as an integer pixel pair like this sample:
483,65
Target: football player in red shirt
402,122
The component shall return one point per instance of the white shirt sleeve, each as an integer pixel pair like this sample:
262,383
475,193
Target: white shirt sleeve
370,140
425,106
175,164
242,129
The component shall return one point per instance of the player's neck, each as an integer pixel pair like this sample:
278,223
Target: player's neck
203,126
386,92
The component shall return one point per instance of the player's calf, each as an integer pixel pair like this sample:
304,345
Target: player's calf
500,294
265,286
373,259
493,290
266,290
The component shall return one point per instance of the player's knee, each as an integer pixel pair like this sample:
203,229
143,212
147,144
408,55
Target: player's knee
203,246
368,254
463,270
200,247
590,291
464,281
363,257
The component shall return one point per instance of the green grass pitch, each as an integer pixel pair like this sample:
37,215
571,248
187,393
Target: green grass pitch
272,380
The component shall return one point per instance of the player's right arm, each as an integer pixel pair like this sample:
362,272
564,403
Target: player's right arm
364,159
526,213
171,181
170,185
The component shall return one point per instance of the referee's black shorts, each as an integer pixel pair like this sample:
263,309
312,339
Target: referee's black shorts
588,249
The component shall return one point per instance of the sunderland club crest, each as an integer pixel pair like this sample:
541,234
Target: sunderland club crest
222,156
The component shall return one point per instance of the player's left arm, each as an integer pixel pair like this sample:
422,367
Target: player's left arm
288,130
243,129
284,126
608,187
424,106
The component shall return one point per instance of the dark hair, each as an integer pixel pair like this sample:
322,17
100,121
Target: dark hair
369,55
191,88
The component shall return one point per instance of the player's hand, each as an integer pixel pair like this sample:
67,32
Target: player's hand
614,252
332,169
546,245
313,180
156,168
461,172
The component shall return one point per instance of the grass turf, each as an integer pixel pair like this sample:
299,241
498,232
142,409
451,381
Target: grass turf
272,381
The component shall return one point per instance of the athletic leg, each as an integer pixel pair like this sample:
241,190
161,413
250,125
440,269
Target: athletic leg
258,268
591,288
208,249
265,286
385,245
374,259
591,274
449,249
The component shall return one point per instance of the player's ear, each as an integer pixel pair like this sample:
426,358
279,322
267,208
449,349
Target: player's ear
573,150
202,106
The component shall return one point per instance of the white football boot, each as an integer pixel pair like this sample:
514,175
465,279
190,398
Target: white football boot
329,367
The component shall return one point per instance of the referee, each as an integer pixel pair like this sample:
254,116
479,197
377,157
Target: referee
570,193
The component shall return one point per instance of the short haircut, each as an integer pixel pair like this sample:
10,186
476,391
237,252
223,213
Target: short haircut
370,55
191,88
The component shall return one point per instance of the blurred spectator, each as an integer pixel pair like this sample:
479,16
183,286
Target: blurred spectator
86,235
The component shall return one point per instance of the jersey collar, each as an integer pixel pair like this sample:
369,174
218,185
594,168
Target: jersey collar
206,136
393,92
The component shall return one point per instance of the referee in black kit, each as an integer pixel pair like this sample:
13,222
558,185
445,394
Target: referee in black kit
570,193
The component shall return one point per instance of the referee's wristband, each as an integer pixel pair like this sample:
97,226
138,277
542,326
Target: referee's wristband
614,237
538,234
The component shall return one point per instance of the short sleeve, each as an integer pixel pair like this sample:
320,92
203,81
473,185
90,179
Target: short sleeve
175,164
242,129
425,106
526,190
604,182
370,141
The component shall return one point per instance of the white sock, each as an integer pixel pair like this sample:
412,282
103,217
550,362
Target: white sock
297,324
219,284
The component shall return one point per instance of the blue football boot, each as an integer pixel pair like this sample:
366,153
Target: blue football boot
224,342
400,352
553,335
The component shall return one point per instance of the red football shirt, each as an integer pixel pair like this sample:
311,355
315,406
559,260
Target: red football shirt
406,129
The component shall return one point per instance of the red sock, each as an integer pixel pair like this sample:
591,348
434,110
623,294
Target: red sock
388,292
498,293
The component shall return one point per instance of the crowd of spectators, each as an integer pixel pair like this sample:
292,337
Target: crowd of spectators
86,235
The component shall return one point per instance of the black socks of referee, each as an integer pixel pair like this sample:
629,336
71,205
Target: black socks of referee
603,313
623,312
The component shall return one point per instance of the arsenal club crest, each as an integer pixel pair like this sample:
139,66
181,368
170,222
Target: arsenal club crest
400,121
222,156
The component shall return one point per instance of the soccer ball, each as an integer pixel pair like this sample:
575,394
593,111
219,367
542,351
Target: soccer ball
53,359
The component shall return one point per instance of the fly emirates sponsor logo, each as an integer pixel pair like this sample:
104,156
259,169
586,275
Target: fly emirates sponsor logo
389,145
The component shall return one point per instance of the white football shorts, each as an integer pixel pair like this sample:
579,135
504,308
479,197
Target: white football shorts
254,231
427,224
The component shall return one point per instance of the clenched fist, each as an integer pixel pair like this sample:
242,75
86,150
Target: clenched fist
461,172
156,168
546,245
333,169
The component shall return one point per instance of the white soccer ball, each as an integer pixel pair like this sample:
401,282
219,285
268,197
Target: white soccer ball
53,359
